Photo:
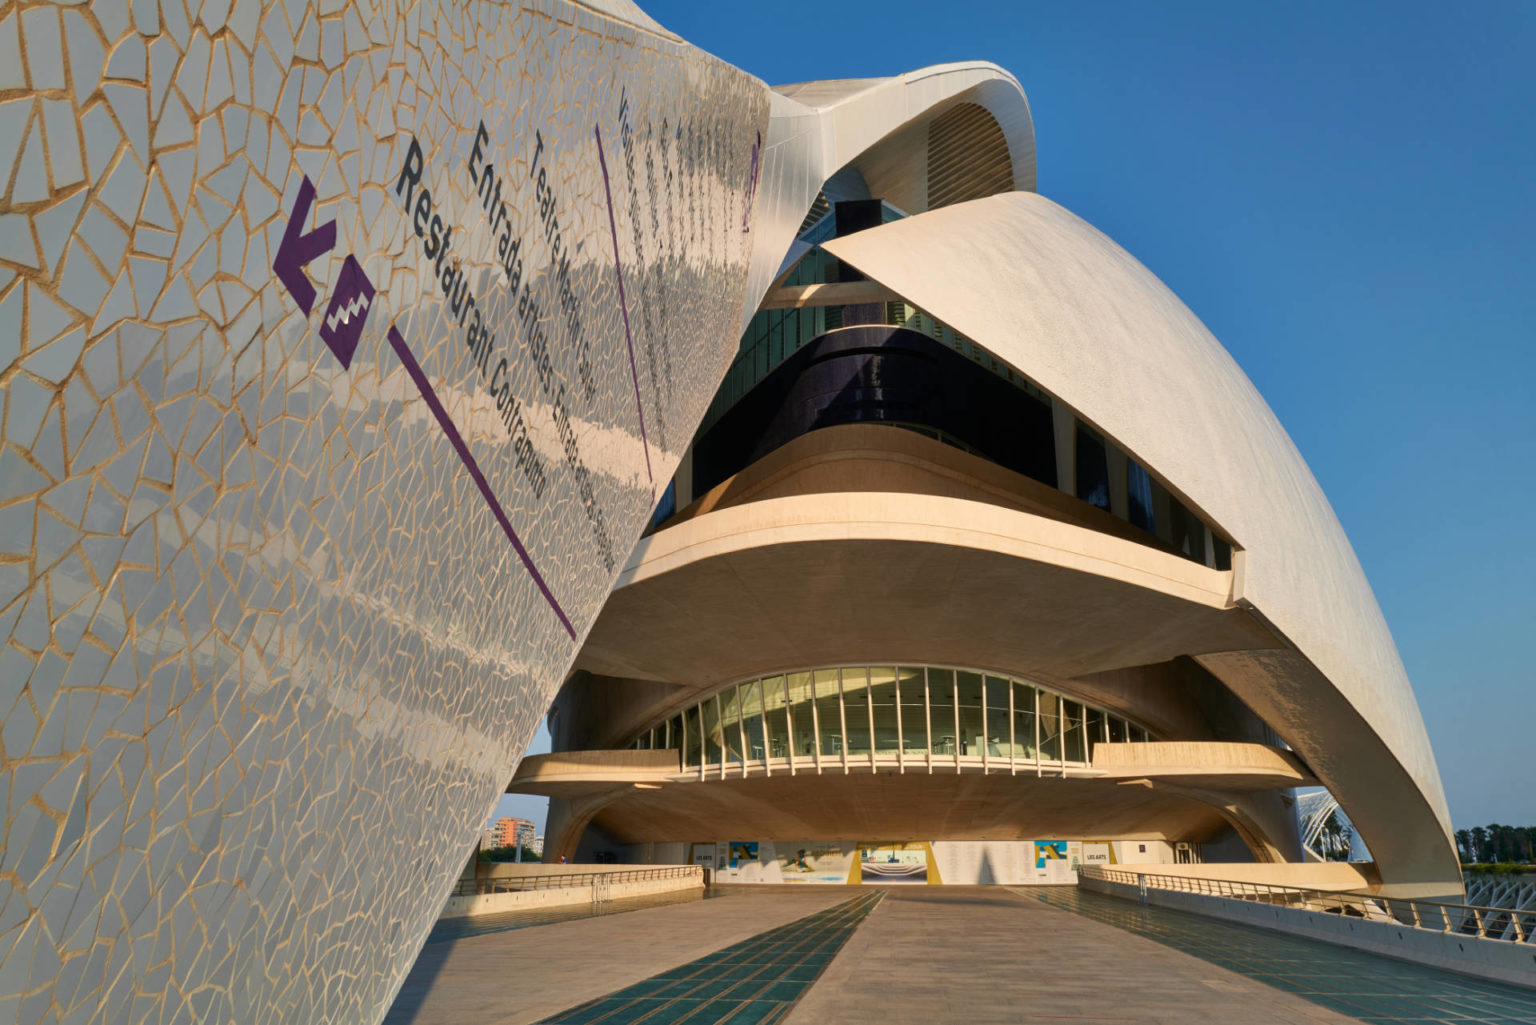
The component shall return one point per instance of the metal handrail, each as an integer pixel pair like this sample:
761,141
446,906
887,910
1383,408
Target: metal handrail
599,881
1464,919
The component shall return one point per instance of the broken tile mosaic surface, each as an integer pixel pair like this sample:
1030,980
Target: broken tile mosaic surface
252,597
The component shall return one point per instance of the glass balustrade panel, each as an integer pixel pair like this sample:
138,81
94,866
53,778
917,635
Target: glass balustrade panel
856,710
1050,727
1023,721
692,742
1074,739
712,731
914,712
776,718
750,696
829,715
1117,732
730,725
801,695
996,742
882,696
941,703
972,713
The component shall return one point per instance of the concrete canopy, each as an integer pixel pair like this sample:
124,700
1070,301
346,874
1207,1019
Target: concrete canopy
828,578
1055,298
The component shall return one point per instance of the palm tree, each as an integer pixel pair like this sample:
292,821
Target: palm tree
1337,839
1479,844
1496,842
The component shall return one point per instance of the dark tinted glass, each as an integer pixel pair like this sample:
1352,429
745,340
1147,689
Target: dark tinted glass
1092,469
1139,493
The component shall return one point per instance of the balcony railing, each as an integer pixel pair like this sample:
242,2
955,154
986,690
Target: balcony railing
600,882
1462,919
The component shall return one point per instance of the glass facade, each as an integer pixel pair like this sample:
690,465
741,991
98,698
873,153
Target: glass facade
773,336
1092,468
886,714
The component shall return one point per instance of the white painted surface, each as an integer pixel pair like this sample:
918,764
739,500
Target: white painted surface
522,900
1071,310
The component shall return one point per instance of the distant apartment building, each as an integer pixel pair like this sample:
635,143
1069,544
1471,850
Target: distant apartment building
509,832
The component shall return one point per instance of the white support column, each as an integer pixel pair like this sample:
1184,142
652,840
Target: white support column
928,719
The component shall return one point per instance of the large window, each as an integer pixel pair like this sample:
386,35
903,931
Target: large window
882,696
1138,486
1092,468
829,713
972,736
799,694
914,710
908,715
856,711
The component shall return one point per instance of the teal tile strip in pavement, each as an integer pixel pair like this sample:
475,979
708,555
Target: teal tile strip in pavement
754,982
1366,986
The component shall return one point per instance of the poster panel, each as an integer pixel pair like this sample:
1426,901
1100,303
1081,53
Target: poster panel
812,862
1053,864
894,863
984,862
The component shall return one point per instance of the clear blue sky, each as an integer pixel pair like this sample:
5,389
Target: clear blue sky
1346,195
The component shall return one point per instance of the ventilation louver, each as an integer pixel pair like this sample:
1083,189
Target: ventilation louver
967,156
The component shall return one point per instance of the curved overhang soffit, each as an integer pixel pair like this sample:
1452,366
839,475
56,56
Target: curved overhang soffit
1050,294
817,129
944,580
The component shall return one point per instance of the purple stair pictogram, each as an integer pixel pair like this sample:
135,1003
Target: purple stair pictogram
348,311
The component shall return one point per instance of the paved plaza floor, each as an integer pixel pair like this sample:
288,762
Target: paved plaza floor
916,954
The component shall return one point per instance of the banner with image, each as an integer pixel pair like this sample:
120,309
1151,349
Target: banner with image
818,862
892,863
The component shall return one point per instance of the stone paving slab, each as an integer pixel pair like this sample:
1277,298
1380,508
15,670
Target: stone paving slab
988,956
521,976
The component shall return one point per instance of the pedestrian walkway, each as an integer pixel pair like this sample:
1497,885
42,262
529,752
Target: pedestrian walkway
518,976
982,955
926,955
753,982
1369,987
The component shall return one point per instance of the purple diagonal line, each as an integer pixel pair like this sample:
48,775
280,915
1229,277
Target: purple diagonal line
618,270
414,369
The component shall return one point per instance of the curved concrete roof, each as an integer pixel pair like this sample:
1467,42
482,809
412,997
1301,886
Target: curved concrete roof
818,128
1061,302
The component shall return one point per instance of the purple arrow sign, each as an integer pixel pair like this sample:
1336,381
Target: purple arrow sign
351,302
297,249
